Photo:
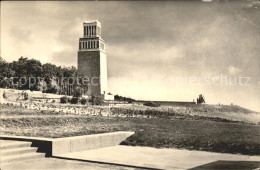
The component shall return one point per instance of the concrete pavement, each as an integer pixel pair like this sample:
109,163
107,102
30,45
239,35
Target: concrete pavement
147,157
54,163
129,157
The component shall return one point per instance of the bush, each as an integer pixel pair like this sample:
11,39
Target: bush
95,100
4,96
74,100
64,99
151,104
83,101
78,91
25,96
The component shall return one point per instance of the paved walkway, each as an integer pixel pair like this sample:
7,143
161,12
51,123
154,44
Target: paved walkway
147,157
54,163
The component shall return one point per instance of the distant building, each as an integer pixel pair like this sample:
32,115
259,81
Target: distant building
92,59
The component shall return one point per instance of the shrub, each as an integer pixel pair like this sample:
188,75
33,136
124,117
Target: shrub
151,104
74,100
4,96
95,100
83,101
201,99
64,99
78,91
25,96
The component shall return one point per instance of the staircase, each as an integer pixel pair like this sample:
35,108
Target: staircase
17,151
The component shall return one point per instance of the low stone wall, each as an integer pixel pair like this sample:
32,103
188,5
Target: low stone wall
87,142
58,146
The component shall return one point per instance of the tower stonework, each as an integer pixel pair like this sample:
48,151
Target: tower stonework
92,59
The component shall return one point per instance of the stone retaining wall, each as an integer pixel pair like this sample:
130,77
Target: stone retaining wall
87,142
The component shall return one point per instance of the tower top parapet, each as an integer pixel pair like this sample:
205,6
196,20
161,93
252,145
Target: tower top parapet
92,22
92,29
91,40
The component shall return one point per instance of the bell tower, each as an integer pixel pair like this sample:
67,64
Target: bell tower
92,59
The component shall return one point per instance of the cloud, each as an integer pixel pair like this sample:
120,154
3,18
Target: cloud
57,48
160,39
21,34
66,57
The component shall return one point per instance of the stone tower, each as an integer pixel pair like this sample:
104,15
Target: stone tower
92,59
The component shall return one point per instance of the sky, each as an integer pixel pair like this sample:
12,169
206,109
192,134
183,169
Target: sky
156,50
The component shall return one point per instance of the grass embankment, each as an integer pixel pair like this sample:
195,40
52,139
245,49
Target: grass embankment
208,135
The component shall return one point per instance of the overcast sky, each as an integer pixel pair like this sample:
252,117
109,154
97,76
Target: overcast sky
151,46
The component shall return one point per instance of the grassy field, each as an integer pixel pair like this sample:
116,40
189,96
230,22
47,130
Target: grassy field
177,132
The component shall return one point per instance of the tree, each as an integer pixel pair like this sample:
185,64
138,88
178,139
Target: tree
201,99
42,86
6,83
53,86
69,72
3,68
5,71
20,71
25,67
78,91
49,71
121,98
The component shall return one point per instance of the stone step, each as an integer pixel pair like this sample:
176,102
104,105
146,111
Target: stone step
20,157
17,151
7,144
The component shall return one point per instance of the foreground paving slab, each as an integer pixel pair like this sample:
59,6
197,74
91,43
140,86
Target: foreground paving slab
147,157
54,164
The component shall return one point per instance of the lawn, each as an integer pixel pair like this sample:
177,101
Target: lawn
199,134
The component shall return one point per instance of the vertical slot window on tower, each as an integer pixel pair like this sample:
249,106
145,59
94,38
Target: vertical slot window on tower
80,45
86,30
97,44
